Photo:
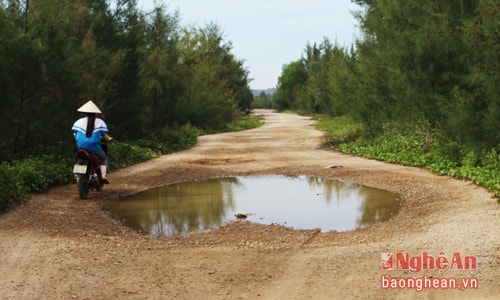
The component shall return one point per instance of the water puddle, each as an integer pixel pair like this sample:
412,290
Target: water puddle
300,202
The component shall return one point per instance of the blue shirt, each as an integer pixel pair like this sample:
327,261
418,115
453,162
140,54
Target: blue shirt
92,143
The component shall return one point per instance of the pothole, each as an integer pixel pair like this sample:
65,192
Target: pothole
302,202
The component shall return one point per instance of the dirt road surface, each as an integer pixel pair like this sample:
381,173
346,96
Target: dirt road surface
59,247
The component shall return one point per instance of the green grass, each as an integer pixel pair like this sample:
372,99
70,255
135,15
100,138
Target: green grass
244,122
415,144
339,130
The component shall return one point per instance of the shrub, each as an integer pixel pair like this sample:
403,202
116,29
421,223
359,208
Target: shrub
339,130
417,144
122,154
244,123
12,190
171,139
40,173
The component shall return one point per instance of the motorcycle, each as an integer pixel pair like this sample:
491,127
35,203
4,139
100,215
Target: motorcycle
87,173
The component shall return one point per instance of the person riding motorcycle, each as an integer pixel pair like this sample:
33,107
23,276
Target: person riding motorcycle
89,131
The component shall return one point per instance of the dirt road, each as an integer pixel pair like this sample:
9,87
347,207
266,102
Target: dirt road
59,247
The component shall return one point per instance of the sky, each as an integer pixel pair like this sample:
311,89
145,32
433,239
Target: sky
267,34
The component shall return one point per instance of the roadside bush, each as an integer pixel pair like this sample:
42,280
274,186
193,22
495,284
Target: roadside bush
491,159
123,154
245,123
339,130
41,173
170,140
417,144
12,191
33,175
180,138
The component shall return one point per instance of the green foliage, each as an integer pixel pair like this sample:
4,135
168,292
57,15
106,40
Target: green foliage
244,123
40,173
291,93
12,190
178,139
122,154
30,176
262,100
339,130
171,139
153,80
214,82
418,60
416,144
422,80
142,69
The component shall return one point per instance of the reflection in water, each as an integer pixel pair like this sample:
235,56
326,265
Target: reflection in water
300,202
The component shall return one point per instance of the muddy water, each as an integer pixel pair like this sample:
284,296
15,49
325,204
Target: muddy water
299,202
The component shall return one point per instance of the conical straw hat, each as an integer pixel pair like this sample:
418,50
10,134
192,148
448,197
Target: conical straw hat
89,107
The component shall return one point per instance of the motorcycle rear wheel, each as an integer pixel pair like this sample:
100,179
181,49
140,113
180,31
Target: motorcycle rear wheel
83,186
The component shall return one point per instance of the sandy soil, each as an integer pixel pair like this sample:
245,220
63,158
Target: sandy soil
60,247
